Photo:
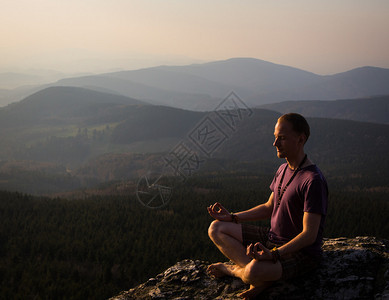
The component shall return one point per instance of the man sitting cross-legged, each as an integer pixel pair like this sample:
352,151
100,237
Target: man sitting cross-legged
297,207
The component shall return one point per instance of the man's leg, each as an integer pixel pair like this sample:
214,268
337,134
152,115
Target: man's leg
227,236
259,274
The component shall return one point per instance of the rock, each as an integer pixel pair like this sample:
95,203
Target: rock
352,268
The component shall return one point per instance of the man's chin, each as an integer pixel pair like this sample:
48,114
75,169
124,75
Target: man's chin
280,154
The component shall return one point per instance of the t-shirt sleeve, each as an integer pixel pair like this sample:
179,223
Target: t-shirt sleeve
316,197
273,183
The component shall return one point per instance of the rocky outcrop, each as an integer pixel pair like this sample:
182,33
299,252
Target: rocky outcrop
356,268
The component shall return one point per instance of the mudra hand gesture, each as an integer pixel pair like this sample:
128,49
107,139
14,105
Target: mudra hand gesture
258,252
218,212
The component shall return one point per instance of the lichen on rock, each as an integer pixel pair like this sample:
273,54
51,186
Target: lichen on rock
352,268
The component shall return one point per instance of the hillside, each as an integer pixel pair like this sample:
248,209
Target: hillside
91,139
372,109
146,91
50,134
154,122
61,105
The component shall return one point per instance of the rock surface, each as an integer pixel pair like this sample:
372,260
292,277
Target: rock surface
356,268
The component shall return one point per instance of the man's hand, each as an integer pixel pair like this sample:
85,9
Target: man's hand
218,212
259,252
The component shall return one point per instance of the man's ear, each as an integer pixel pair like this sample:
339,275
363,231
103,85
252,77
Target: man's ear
302,139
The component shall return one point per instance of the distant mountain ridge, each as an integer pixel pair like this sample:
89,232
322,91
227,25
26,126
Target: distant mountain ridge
372,109
245,75
201,86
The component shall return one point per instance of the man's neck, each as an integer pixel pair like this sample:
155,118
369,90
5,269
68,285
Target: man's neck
294,163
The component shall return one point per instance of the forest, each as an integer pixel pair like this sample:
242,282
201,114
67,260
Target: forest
93,247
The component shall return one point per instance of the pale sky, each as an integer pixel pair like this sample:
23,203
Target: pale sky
321,36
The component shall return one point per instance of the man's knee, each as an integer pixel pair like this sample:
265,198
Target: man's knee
214,229
218,229
252,274
257,272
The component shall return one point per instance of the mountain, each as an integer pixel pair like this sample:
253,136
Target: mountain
70,125
15,86
202,86
90,134
147,92
57,105
8,96
153,123
199,86
102,123
100,144
246,76
372,109
356,83
64,125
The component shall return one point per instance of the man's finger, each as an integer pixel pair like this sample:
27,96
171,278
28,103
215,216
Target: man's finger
215,206
248,250
258,246
219,207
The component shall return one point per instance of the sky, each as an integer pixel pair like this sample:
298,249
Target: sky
320,36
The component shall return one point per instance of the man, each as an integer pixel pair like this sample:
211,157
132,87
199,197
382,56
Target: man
296,208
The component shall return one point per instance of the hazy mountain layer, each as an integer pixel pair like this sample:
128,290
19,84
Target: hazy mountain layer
257,82
203,86
372,109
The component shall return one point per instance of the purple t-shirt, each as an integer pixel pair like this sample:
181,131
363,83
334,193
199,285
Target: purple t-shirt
308,192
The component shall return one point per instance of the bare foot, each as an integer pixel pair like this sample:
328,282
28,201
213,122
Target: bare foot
220,270
254,291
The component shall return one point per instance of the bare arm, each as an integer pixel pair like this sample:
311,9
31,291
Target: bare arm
311,224
260,212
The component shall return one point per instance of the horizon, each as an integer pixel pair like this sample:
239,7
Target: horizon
96,36
10,79
156,64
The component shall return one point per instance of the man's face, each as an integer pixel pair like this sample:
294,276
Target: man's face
287,141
